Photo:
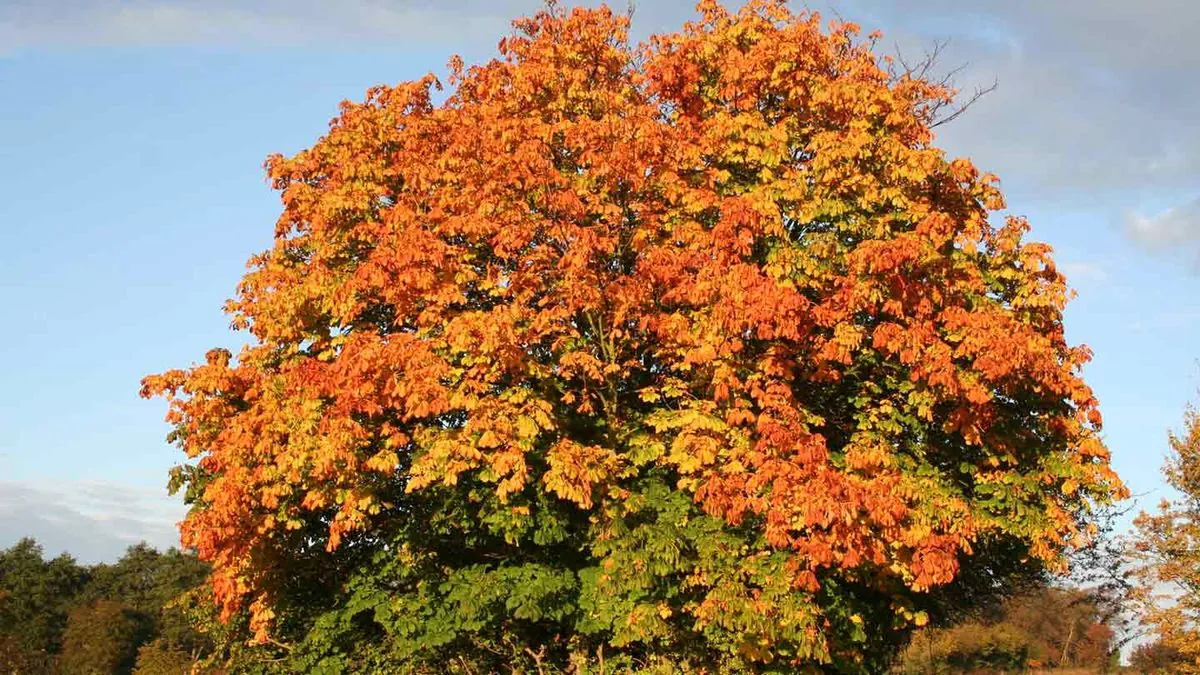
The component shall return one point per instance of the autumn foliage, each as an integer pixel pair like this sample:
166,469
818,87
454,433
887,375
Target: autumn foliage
1166,553
1049,627
696,351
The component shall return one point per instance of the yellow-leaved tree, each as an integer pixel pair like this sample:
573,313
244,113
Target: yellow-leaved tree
1166,552
689,354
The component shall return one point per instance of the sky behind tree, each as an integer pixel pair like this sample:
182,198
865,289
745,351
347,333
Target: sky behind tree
133,135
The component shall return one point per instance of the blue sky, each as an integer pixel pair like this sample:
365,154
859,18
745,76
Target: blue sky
132,136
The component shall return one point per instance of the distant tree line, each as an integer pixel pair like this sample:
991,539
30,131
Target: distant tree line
131,616
1047,627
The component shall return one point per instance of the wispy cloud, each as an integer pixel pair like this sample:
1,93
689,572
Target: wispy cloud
93,521
1077,111
1095,110
1175,230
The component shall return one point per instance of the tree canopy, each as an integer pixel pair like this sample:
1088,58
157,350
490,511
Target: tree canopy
688,354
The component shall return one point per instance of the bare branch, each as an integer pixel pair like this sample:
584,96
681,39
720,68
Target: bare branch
979,93
923,69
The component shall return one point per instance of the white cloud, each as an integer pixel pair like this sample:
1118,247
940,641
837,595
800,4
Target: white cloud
1096,105
93,521
1094,95
1176,230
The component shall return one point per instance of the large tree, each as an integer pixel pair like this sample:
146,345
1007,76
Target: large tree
695,353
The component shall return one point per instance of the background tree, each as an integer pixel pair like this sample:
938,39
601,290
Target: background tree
1047,627
57,616
35,598
160,658
1155,658
695,353
1166,552
1104,573
969,647
150,583
1064,627
102,638
15,657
